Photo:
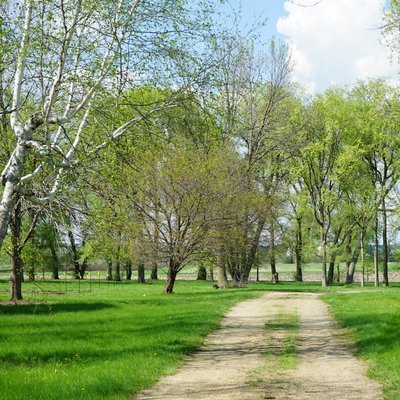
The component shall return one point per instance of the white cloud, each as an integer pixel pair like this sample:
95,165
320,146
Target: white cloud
336,41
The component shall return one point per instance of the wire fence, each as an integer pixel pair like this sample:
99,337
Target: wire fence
44,283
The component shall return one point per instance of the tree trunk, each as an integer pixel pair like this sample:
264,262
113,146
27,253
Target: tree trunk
31,274
351,269
54,263
82,269
201,273
385,254
16,272
362,258
221,273
141,277
109,270
376,249
348,256
244,279
323,250
117,274
171,276
128,269
211,273
154,266
299,251
10,181
272,255
338,272
154,271
75,258
331,271
232,266
251,256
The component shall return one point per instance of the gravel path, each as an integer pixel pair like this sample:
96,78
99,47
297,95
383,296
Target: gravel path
233,364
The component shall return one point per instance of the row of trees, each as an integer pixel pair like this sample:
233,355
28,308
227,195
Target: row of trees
122,144
60,62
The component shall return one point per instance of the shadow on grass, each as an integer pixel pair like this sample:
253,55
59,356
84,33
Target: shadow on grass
379,332
43,309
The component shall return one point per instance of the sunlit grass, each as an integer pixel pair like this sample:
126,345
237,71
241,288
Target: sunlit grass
374,321
287,326
107,343
106,340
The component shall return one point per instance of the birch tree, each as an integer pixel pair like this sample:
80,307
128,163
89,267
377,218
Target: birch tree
67,54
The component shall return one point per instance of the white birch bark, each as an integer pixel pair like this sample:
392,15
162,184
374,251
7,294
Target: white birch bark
12,172
71,58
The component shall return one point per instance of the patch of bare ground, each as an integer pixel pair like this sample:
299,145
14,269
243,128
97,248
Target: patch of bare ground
241,359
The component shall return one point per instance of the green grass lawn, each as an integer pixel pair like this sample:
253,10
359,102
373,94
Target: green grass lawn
374,322
112,341
104,344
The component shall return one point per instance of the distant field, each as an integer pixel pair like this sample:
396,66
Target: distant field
190,272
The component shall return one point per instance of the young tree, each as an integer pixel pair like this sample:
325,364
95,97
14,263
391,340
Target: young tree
185,186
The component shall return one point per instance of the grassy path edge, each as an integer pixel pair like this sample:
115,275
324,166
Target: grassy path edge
372,319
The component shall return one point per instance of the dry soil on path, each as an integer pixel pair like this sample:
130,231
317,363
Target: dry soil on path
240,360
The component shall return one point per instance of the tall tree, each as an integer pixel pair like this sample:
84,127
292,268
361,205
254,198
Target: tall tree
322,138
68,54
252,93
391,30
376,119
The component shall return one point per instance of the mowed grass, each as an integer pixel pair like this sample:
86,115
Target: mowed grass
112,341
286,356
374,322
105,344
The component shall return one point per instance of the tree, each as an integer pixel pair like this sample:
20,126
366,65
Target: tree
237,230
184,185
322,138
376,124
77,52
60,59
391,19
360,195
298,203
253,88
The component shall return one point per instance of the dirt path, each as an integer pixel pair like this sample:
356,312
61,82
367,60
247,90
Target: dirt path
241,360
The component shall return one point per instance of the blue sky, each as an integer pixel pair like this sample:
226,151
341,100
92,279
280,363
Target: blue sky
336,42
251,10
254,10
